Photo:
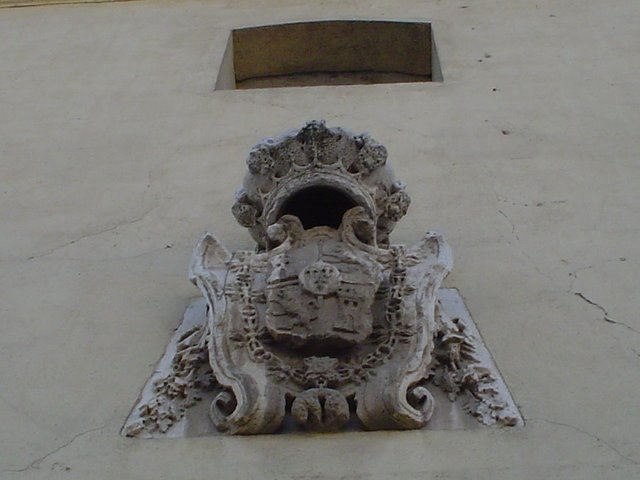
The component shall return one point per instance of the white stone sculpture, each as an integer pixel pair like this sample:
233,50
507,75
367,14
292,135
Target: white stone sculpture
325,321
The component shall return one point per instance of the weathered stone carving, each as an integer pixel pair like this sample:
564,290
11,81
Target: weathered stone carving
326,321
190,375
462,367
325,160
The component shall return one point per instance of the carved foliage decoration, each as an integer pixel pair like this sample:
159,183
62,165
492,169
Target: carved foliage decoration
324,322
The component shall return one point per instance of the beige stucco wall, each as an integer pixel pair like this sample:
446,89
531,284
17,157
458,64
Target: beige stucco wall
116,154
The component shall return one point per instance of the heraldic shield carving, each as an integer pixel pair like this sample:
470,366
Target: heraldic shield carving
326,317
324,322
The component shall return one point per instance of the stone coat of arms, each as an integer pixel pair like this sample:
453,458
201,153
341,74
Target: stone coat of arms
325,318
324,322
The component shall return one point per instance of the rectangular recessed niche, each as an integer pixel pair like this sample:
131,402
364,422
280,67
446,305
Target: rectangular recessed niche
336,52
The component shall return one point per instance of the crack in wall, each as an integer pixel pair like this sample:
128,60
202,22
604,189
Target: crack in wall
513,225
93,234
523,251
591,435
606,318
574,273
36,463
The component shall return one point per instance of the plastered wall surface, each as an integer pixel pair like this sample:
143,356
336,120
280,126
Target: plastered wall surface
116,154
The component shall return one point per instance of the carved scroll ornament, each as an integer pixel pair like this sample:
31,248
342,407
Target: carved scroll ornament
325,322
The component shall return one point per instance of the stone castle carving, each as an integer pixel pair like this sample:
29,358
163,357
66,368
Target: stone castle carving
325,322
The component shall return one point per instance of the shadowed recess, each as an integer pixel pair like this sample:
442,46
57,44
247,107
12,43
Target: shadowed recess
333,52
318,206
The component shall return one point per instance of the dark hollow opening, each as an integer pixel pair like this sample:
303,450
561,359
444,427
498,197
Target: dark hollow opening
318,206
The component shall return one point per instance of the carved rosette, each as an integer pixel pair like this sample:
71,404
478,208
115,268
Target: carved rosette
325,320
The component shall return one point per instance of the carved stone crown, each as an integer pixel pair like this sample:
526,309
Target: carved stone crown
351,168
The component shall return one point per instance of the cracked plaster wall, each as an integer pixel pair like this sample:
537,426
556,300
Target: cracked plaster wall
115,155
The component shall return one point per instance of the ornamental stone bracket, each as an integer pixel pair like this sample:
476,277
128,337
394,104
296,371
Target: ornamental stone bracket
325,326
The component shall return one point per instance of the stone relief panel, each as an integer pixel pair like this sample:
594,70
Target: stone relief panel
324,326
